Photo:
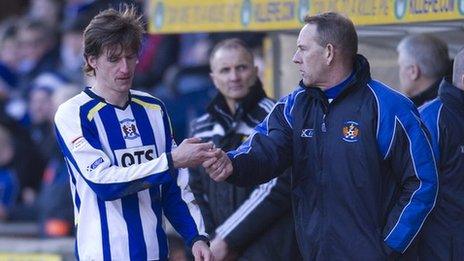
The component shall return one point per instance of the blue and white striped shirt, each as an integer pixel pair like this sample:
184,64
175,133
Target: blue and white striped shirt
121,182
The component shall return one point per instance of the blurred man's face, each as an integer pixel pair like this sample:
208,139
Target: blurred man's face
40,106
114,72
71,52
6,147
404,73
32,45
309,56
9,52
233,73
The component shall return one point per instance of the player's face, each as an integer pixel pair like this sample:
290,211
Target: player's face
233,73
114,71
309,56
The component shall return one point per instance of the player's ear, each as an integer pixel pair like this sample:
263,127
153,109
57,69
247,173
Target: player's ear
92,61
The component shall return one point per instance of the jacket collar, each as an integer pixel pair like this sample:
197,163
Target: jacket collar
219,104
451,95
334,91
361,77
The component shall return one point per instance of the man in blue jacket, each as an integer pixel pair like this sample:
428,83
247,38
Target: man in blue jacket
443,233
364,176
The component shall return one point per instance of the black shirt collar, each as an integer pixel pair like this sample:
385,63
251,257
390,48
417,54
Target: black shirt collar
427,95
89,92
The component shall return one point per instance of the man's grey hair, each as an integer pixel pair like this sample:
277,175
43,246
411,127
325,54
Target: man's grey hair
428,52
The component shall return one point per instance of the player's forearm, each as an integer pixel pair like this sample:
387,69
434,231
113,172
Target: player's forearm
111,182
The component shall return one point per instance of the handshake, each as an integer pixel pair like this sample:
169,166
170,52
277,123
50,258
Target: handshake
193,152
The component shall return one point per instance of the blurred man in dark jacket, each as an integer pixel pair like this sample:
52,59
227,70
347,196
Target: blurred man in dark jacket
423,60
443,233
251,223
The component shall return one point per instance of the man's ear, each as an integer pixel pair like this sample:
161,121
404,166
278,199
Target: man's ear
414,72
92,61
329,53
211,75
462,80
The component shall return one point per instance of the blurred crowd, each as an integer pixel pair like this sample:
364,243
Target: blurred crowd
41,61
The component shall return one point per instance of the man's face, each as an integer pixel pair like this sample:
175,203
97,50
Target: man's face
114,72
40,106
32,44
71,51
404,73
310,56
233,73
9,52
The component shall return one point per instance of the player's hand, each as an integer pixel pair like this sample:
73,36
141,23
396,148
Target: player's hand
201,251
191,153
219,167
221,251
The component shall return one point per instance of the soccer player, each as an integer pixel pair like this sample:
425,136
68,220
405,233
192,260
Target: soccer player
122,160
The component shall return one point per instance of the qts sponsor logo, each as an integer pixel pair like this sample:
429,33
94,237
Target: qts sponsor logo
138,155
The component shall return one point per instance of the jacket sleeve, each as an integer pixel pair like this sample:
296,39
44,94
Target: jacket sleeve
181,210
430,114
413,164
266,205
268,150
84,153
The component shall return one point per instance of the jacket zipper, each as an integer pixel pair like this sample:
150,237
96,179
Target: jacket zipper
323,127
322,176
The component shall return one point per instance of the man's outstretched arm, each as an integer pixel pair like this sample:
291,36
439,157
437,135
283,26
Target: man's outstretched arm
86,157
264,155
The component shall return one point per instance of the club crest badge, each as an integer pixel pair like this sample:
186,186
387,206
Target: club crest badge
129,129
351,131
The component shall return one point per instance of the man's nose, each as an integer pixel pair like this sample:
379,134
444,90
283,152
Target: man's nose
124,65
296,58
234,75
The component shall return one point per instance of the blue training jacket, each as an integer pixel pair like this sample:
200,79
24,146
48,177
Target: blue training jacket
364,177
443,233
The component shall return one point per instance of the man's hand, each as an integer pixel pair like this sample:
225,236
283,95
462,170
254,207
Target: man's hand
191,153
219,167
201,251
221,251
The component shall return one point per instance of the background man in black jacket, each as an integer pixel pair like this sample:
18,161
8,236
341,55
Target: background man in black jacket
423,60
249,223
